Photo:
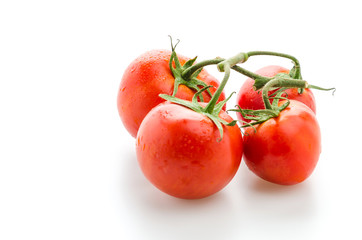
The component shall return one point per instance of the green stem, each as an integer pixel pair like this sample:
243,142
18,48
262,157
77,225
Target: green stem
189,71
280,82
268,53
186,74
238,58
241,57
224,66
210,106
260,81
263,80
320,88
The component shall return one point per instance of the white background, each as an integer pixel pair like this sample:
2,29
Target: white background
68,168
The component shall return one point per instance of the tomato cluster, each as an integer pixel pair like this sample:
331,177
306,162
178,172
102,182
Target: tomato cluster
186,143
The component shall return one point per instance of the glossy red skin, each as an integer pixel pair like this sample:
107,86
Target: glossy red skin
145,78
286,149
178,151
248,98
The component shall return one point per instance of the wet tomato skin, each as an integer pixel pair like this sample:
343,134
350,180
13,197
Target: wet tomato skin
286,149
178,151
145,78
248,98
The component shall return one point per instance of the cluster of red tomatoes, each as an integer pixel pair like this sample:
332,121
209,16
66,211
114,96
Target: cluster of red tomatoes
189,147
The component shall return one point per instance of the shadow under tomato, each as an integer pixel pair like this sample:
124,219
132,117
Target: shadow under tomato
292,202
265,187
161,216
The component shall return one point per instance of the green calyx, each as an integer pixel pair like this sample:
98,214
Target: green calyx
196,106
191,81
262,115
212,109
281,82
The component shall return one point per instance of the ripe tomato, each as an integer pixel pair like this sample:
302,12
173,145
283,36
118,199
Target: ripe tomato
248,98
179,152
285,149
145,78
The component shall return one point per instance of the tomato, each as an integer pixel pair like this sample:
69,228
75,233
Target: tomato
285,149
145,78
179,152
248,98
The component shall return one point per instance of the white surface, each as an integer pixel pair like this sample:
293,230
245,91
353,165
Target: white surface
68,168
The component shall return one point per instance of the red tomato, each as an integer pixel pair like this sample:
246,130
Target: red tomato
145,78
248,98
179,152
284,150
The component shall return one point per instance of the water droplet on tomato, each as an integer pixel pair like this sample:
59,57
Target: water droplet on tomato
133,68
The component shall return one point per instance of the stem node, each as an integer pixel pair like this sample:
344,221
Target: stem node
239,58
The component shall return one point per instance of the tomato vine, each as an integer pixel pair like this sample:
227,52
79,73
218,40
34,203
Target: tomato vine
187,74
